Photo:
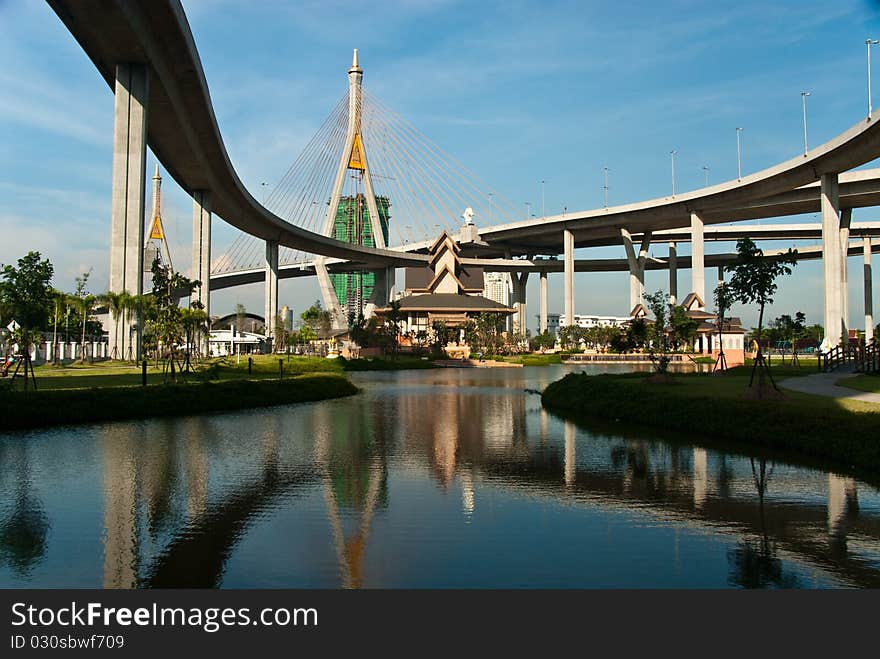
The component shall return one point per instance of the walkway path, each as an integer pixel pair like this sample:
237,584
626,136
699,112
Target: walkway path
823,384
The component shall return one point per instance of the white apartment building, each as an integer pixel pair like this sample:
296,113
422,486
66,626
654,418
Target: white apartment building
590,320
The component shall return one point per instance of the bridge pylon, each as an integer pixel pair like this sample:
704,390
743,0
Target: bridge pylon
353,164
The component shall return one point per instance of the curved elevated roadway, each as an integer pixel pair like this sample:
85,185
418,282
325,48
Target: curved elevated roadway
181,126
183,133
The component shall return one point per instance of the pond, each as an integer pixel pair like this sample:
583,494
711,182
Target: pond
443,478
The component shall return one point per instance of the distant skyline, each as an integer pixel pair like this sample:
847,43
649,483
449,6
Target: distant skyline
518,91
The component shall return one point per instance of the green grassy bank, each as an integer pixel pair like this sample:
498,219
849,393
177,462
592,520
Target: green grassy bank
865,382
120,374
717,409
49,407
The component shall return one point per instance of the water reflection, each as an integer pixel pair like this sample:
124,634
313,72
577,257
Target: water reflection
426,479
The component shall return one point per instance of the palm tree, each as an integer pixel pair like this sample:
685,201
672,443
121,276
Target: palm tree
84,304
116,304
59,302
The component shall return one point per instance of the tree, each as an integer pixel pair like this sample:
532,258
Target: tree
317,319
84,302
753,281
393,318
658,331
25,291
788,330
240,317
115,302
723,295
544,341
569,337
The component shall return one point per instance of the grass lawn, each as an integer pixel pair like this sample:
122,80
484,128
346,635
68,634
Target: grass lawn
47,407
717,407
864,382
122,374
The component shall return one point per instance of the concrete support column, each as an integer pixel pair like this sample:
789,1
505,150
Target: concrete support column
673,273
869,291
542,321
201,255
568,294
829,202
845,221
520,318
127,199
698,273
271,308
636,267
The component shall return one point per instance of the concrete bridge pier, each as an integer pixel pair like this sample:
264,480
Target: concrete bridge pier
127,199
519,302
636,266
869,291
698,271
542,321
568,295
271,296
829,202
673,273
201,254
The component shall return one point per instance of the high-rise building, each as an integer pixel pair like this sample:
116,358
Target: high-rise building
496,287
353,225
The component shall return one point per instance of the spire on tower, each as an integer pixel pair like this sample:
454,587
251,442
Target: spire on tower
355,68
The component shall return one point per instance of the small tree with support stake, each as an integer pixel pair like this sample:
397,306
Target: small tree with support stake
754,282
25,291
723,301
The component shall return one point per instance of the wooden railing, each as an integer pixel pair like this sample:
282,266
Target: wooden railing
870,358
866,358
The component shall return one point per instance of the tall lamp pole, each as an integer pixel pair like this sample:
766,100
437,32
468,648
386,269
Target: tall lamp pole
869,43
491,194
739,173
672,155
706,172
528,210
605,171
804,99
542,199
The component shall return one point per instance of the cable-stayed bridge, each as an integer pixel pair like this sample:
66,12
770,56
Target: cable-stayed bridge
373,165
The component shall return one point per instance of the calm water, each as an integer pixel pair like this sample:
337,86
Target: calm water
446,478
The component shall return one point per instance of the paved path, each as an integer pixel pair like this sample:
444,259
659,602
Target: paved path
823,384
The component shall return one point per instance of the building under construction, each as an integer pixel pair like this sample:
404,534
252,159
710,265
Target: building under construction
352,225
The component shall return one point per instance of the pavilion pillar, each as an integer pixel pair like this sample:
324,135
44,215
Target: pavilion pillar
869,291
698,271
673,273
829,202
127,199
271,289
542,320
568,293
201,255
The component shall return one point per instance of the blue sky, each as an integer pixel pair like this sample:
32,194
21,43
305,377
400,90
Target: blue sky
518,91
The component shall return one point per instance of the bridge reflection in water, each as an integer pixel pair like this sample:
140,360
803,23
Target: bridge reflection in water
428,478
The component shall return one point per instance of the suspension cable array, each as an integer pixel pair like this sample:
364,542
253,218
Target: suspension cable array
425,189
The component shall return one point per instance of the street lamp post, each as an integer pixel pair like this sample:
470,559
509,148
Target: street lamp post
528,210
265,187
491,194
672,155
804,100
706,172
869,43
605,187
739,173
542,199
